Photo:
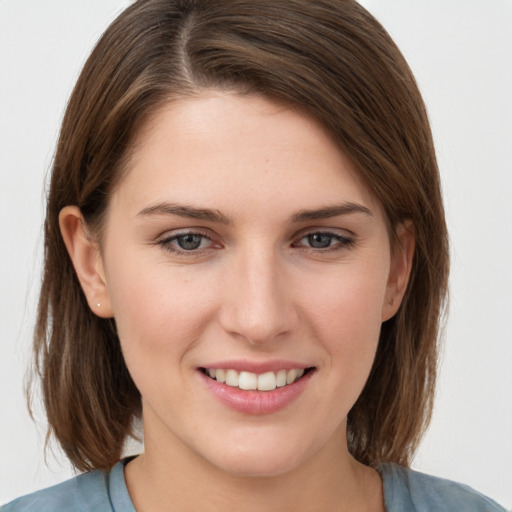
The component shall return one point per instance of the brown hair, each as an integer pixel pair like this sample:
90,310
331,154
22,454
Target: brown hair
331,59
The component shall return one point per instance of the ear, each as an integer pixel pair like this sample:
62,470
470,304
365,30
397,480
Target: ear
86,257
400,269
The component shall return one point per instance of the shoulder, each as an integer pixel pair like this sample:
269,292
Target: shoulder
68,495
408,490
97,491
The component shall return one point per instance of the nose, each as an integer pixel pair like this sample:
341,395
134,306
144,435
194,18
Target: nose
258,305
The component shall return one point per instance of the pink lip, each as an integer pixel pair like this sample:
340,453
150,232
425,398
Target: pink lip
256,402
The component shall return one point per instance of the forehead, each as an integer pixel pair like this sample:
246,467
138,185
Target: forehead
237,148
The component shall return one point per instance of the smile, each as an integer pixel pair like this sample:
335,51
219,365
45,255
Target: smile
268,388
250,381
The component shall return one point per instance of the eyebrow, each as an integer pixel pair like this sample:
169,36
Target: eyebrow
330,211
186,211
218,217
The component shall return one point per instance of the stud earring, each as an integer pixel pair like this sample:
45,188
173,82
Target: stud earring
99,304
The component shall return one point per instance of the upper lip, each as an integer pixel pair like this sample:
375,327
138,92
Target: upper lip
258,367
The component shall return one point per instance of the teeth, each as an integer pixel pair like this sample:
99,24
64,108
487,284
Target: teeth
267,381
247,380
291,376
232,378
281,378
251,381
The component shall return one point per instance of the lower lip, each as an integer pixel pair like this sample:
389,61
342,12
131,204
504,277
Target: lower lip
257,402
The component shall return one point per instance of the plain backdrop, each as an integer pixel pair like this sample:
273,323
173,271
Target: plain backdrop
461,53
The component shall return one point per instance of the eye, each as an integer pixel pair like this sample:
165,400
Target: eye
189,242
183,243
320,240
325,240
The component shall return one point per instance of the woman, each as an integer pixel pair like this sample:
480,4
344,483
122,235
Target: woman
246,247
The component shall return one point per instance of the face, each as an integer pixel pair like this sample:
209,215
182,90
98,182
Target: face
241,250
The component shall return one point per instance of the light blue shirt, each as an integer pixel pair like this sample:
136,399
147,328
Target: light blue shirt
404,491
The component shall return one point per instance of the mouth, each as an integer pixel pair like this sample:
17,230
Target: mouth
249,381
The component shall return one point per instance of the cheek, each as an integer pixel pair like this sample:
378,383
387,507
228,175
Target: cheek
346,315
157,308
160,316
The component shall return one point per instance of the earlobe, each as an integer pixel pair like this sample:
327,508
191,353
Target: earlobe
87,261
400,269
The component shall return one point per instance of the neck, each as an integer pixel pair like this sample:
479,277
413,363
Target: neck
330,480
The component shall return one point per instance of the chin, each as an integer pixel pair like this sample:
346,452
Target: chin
262,458
258,466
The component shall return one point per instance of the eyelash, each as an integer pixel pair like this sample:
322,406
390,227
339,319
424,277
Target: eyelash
342,242
167,243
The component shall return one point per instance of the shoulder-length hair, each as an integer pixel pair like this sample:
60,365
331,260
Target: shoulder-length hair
332,60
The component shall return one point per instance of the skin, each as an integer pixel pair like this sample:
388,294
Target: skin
255,289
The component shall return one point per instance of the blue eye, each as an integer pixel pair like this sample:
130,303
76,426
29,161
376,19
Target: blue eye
320,240
189,242
324,240
186,243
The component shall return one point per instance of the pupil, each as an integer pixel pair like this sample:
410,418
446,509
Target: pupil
189,242
319,240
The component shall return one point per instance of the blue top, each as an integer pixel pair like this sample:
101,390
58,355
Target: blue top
404,491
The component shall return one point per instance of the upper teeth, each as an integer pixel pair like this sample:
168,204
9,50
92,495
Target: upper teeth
262,382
